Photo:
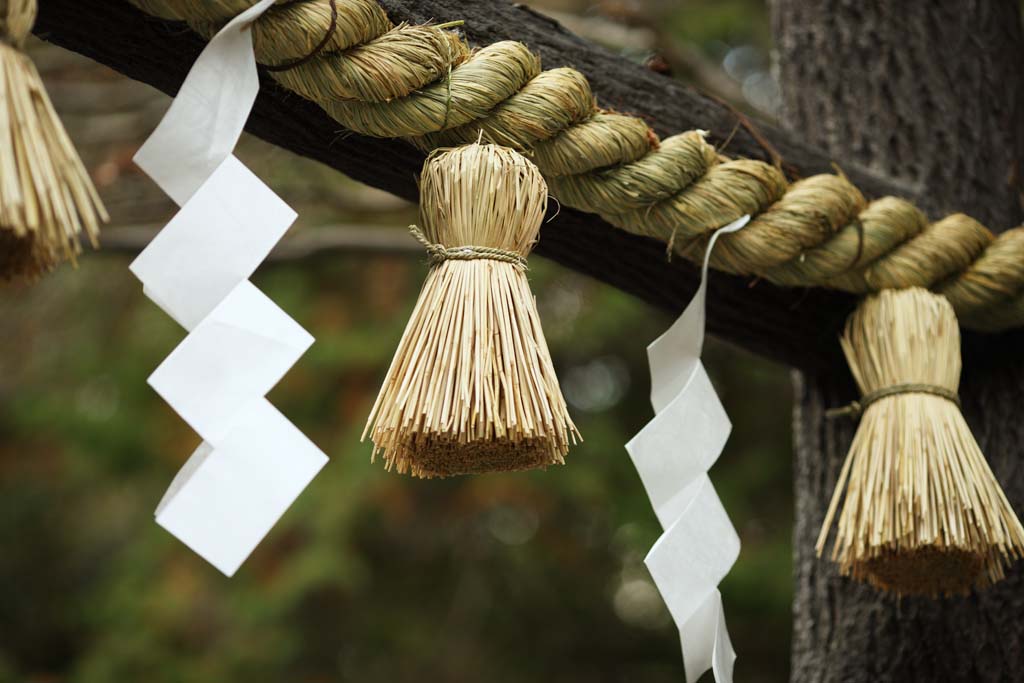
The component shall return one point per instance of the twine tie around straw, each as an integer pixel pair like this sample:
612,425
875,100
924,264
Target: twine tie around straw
439,253
856,408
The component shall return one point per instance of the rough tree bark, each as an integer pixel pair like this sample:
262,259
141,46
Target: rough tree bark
929,92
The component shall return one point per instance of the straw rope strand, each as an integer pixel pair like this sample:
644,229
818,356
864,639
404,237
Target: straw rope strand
423,83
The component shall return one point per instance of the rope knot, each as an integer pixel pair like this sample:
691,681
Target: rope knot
439,253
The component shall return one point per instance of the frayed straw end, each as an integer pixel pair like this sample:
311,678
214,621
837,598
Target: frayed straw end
21,259
472,387
46,197
436,456
929,570
922,513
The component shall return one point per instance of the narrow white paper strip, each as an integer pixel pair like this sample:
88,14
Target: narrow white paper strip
710,649
207,116
253,462
672,454
674,354
694,554
681,443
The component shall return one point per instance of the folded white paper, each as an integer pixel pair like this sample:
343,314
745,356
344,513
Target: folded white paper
208,114
231,359
672,454
680,444
709,648
694,554
233,494
253,462
215,242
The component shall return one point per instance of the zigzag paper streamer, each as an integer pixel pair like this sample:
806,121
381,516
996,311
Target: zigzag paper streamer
673,454
253,463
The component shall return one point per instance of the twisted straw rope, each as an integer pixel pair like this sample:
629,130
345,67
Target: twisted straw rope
423,83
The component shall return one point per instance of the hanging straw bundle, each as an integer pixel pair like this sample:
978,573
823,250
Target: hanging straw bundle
472,387
46,197
923,514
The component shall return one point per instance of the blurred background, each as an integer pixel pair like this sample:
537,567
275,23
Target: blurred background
370,576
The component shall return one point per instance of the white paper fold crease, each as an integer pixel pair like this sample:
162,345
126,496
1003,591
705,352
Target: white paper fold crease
253,463
673,454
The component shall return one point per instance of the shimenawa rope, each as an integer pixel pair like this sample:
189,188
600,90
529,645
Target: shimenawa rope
423,83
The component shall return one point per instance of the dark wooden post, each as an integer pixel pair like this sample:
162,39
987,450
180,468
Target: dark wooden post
929,93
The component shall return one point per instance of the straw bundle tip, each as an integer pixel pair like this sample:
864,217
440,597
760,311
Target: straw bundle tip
926,570
922,512
472,387
47,200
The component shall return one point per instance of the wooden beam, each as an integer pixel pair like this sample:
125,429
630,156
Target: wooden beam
321,242
794,326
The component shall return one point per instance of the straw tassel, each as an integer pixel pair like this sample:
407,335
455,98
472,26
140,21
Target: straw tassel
46,197
472,388
923,513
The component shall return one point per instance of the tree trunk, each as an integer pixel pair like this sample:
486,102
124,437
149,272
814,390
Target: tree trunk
931,93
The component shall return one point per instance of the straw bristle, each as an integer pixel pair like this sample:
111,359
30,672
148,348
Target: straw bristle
46,197
472,387
923,513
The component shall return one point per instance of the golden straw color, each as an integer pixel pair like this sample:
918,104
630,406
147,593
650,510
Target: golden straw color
424,84
923,514
472,388
46,197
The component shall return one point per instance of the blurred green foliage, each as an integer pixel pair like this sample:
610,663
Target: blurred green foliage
370,576
713,23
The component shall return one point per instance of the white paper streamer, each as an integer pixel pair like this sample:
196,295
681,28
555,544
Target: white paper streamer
207,116
253,463
673,454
